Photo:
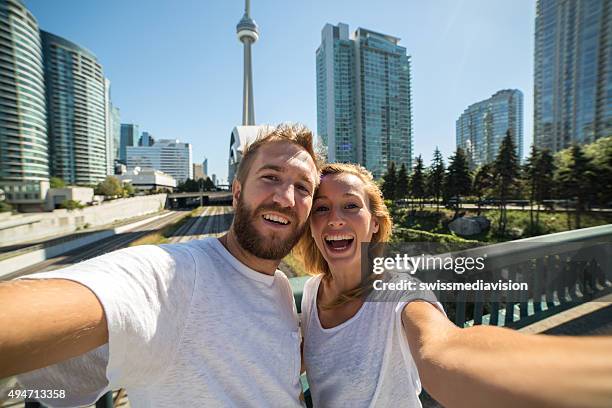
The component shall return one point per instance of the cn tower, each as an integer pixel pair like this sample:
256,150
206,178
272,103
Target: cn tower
248,33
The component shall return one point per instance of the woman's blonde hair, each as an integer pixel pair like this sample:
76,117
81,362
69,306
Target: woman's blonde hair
306,250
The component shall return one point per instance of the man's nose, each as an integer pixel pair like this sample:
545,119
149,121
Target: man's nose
284,196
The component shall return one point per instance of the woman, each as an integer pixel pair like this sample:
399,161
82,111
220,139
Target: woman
363,354
373,365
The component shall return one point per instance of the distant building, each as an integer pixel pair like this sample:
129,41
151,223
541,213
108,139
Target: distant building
146,139
213,178
572,72
56,196
24,159
169,156
108,117
115,124
198,172
482,126
129,137
364,102
205,167
148,179
76,111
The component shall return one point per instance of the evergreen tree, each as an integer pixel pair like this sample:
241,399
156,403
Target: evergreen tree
417,181
506,172
389,183
530,177
458,180
401,187
576,180
545,183
483,182
436,177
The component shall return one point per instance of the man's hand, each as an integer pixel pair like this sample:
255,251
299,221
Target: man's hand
45,321
484,366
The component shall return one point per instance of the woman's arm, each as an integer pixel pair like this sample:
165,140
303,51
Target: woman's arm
482,366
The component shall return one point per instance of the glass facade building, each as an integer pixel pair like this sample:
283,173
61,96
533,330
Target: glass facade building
129,137
167,155
572,72
482,126
76,108
364,105
24,160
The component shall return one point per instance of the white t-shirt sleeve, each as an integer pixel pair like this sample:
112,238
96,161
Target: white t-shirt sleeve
146,292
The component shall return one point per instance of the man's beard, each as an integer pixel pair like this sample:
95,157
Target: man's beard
271,246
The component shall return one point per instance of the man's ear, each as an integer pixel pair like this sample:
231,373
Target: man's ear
236,190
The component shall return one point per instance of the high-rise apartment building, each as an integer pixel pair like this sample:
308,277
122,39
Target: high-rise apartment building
364,103
483,125
129,137
24,161
572,72
76,111
205,167
167,155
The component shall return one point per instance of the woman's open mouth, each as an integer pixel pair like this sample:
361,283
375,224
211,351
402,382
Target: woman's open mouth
338,243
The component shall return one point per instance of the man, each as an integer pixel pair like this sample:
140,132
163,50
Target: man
206,323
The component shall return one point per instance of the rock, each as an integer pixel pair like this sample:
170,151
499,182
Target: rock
466,226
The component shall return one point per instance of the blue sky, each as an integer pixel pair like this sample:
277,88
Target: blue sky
176,66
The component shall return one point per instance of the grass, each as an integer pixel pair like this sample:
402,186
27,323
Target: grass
161,236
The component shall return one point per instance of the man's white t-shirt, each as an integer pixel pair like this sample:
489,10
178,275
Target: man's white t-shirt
189,325
363,362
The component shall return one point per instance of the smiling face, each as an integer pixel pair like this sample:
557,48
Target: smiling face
273,203
341,219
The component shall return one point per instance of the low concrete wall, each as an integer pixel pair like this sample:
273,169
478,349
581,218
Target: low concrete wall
10,265
21,228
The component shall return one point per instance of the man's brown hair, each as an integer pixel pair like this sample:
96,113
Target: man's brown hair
292,133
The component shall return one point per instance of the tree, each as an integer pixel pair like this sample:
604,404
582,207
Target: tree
483,182
600,155
389,183
189,185
506,172
538,176
458,180
401,186
110,187
56,182
71,205
530,176
576,180
436,177
417,181
208,184
128,189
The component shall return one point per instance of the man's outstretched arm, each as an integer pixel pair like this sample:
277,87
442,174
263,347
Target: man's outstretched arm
43,322
483,365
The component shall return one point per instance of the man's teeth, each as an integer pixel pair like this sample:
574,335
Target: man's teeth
338,237
276,218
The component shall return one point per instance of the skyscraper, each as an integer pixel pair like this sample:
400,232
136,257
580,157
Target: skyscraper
24,161
573,72
129,137
116,131
167,155
76,111
364,102
483,125
146,139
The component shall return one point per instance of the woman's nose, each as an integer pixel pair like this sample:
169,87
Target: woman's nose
335,219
